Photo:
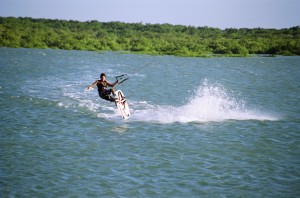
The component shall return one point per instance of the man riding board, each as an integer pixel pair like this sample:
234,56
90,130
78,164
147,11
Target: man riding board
103,91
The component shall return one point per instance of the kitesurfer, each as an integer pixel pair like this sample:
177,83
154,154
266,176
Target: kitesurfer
104,92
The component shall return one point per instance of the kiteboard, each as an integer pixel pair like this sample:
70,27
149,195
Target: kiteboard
122,104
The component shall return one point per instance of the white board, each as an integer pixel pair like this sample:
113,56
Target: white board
122,104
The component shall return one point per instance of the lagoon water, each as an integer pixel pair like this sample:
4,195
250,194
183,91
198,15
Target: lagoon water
216,127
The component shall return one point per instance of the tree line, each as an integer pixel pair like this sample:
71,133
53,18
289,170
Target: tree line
155,39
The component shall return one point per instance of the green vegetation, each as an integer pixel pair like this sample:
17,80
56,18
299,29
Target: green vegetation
157,39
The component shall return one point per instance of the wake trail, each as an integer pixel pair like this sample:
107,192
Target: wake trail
208,103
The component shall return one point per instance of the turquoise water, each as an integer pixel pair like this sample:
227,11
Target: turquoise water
217,127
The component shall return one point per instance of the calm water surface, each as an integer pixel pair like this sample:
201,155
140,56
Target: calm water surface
217,127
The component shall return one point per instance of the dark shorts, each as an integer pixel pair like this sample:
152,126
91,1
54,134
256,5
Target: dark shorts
106,95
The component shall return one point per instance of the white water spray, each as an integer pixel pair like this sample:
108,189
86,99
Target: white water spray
210,103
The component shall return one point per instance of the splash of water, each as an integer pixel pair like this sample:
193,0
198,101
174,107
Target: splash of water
209,103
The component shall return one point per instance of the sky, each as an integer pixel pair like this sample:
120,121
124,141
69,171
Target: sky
212,13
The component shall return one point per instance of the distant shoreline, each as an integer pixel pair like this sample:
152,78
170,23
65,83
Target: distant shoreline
152,39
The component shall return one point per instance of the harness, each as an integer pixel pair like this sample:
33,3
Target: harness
103,92
101,86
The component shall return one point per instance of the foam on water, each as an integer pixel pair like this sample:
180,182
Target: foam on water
209,103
